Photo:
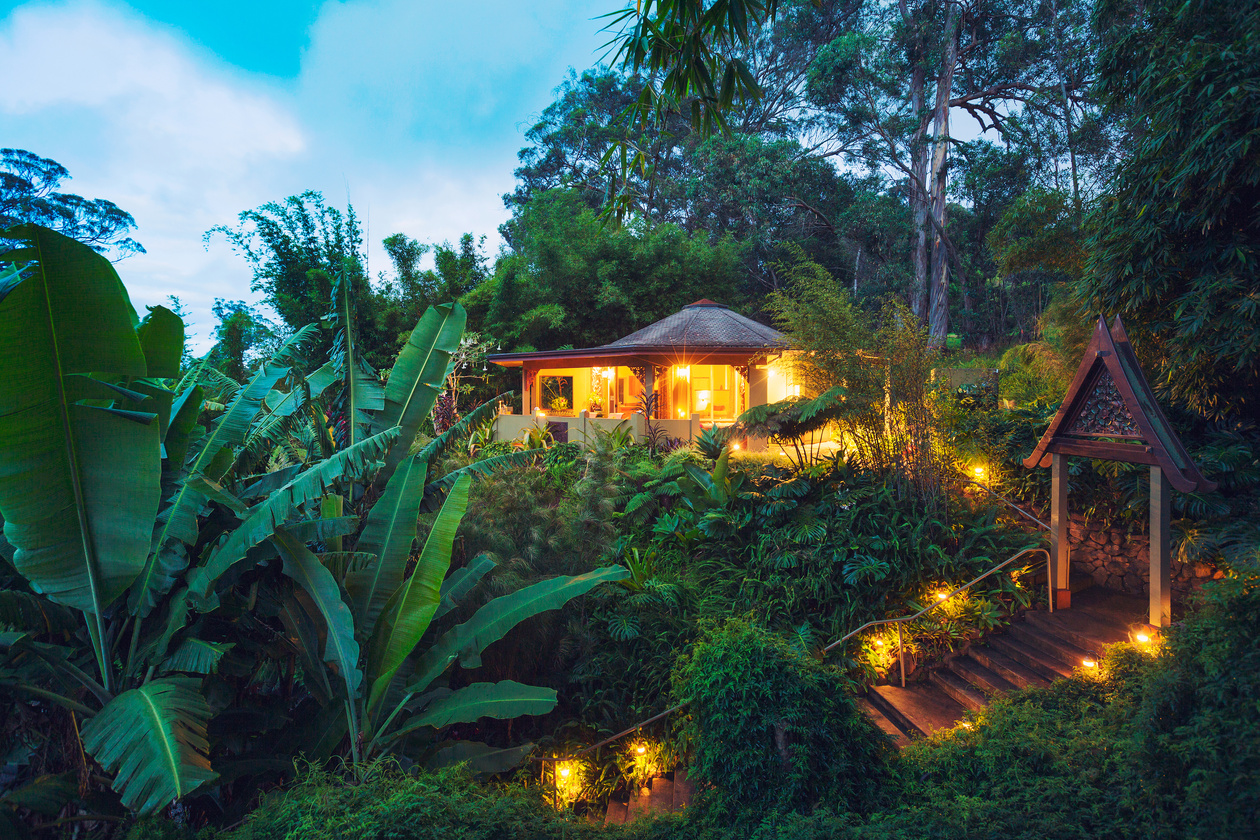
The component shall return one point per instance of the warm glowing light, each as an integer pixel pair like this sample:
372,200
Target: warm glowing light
735,447
609,373
564,772
702,400
941,596
683,372
1142,638
796,390
979,471
641,749
1089,663
682,413
879,643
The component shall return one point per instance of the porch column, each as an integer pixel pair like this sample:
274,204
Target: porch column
1161,566
1060,547
527,398
758,394
649,381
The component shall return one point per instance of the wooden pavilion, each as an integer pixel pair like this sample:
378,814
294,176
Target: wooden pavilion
1110,413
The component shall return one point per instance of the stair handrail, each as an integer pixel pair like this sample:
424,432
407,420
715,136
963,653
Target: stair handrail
901,651
986,488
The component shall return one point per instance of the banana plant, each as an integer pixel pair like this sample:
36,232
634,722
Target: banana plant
128,518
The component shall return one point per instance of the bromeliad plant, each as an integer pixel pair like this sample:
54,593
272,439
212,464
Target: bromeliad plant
158,586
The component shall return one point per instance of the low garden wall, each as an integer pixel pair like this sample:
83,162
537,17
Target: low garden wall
1120,561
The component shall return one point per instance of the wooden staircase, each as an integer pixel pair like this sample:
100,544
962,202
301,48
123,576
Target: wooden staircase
1034,651
662,796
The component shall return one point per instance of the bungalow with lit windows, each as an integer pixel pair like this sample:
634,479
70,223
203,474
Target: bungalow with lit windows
705,364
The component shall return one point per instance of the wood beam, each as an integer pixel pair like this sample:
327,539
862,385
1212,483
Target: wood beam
1060,544
1161,549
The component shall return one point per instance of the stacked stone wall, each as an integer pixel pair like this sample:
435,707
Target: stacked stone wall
1120,560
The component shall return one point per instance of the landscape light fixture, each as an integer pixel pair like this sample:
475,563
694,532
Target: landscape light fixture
1142,638
641,749
1089,663
941,596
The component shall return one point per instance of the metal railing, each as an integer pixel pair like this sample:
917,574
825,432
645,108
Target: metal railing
986,488
901,650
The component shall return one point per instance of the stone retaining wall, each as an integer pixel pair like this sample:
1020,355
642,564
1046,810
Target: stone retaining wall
1120,561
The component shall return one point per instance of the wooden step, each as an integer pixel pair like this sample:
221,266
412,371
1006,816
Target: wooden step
662,797
966,694
616,813
975,672
1013,671
640,804
1048,668
920,708
1050,645
881,720
1086,632
683,789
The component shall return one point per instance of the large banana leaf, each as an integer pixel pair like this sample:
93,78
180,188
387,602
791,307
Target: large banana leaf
460,582
388,533
492,622
162,338
24,611
418,376
153,740
340,648
178,519
411,608
281,505
79,484
197,656
501,700
478,757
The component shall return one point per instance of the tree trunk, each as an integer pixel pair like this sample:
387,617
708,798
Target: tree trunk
919,198
938,314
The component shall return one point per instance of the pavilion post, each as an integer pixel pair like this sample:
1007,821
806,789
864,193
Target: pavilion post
1161,561
1060,545
527,402
649,385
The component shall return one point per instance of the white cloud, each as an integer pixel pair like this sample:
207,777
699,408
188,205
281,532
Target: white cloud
412,111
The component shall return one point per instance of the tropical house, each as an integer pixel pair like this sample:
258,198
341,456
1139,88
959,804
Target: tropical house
705,365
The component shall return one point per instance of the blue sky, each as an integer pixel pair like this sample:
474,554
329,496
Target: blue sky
187,113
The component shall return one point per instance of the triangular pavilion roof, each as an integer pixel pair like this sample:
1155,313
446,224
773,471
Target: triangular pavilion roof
1110,413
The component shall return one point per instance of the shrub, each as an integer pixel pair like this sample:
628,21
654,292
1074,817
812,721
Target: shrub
772,728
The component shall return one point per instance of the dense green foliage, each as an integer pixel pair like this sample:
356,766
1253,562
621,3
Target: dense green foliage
254,594
1160,743
1175,245
772,727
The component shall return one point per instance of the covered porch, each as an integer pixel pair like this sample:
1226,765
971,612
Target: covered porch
699,368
